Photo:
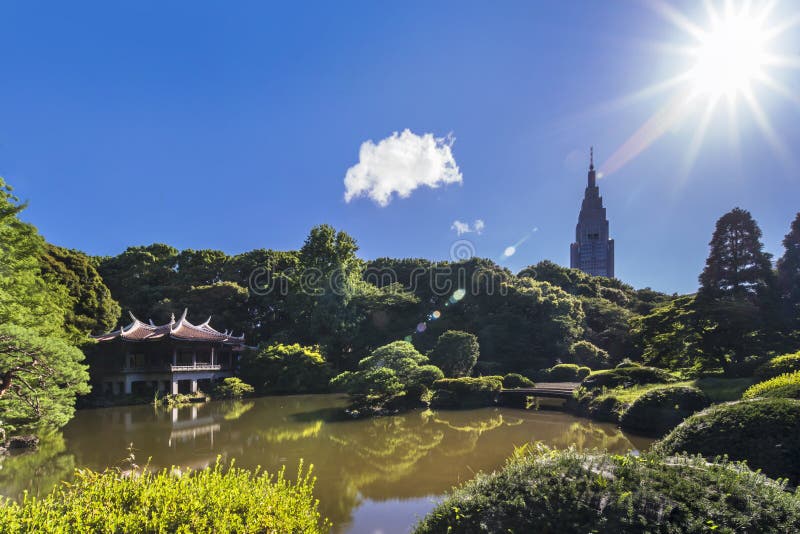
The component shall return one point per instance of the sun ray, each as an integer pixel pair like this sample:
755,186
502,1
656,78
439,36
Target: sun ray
677,18
779,88
766,127
697,140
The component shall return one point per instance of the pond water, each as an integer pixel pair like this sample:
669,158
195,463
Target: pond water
375,475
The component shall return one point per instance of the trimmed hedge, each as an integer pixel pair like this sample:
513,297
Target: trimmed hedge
764,432
659,411
564,372
218,499
570,491
465,392
788,363
515,380
783,386
627,376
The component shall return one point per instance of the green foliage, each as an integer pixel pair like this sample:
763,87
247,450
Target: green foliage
789,275
281,369
218,499
660,410
515,380
39,379
762,431
455,353
466,392
570,491
587,354
394,372
626,376
91,309
786,385
779,365
627,363
564,372
26,298
233,388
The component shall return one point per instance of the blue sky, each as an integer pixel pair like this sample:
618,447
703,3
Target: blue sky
232,126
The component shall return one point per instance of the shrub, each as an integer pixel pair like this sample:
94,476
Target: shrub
282,369
611,378
455,353
565,372
589,355
660,410
515,380
786,385
218,499
233,388
570,491
626,363
466,392
779,365
764,432
390,372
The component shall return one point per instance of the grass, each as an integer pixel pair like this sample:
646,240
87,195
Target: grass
717,389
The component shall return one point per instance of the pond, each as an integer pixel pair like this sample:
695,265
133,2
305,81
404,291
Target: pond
375,475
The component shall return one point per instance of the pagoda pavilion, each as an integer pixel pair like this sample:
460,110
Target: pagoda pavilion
176,357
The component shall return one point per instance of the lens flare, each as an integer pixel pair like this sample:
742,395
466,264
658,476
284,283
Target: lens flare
421,327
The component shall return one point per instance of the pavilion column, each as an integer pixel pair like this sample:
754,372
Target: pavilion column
212,355
128,384
194,386
174,386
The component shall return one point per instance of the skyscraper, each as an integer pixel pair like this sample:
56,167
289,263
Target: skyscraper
592,252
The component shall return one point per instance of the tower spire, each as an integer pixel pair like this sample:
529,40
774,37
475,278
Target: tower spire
591,158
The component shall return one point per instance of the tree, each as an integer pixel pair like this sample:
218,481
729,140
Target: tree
39,379
92,308
279,368
586,353
26,298
789,273
455,353
737,266
393,372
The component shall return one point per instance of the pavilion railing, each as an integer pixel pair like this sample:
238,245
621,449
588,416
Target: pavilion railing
196,367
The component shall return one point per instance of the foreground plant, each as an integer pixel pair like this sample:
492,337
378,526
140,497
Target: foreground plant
549,491
219,499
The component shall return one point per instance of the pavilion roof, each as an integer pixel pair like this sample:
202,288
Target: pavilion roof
181,330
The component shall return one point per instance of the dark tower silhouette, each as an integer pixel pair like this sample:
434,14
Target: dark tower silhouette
592,252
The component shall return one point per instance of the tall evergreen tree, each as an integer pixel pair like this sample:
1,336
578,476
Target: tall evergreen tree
737,265
789,272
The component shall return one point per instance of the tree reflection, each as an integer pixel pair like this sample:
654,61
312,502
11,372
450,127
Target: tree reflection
36,471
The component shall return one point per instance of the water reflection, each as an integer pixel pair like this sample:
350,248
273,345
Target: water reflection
366,469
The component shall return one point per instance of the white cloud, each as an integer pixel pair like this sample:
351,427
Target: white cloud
462,228
400,164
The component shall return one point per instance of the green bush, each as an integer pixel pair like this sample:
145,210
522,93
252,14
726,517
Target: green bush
564,372
786,386
233,388
218,499
587,354
515,380
779,365
627,376
570,491
764,432
455,353
285,369
394,375
466,392
660,410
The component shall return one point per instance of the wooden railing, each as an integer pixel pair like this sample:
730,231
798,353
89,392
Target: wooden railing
196,367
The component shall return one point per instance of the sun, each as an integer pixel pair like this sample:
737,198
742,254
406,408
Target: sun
731,55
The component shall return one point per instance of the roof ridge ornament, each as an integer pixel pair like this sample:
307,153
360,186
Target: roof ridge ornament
171,318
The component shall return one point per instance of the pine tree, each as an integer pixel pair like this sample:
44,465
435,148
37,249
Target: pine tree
789,272
737,266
